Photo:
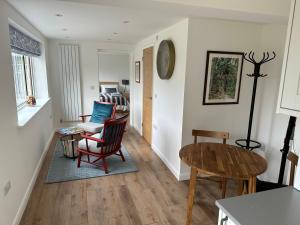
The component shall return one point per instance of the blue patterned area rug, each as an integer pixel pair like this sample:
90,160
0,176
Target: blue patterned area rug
64,169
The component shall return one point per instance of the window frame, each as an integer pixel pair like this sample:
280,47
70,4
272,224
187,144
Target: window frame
28,77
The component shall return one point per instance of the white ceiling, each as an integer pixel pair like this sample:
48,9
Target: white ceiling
100,19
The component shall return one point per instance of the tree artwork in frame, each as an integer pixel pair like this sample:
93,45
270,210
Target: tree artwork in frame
223,77
137,72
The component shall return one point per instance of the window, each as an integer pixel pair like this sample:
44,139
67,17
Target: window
23,69
29,73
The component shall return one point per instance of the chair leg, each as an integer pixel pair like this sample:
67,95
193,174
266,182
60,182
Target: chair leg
87,147
79,159
122,156
240,188
224,184
105,165
220,185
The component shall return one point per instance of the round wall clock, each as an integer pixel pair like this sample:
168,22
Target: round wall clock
165,61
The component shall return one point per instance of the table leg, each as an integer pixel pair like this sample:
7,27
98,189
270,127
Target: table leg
224,186
252,185
192,189
253,188
245,187
73,150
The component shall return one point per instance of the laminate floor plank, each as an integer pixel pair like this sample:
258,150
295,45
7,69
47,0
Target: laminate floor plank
151,196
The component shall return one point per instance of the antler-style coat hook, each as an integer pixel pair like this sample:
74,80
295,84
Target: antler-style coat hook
266,58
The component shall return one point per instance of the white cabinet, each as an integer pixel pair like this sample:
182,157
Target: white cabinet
289,92
224,219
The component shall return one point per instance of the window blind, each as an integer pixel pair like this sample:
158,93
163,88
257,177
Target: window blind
22,43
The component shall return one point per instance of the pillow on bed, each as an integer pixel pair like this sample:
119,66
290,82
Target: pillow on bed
110,90
106,86
116,94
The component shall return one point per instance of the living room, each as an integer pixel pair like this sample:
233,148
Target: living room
81,48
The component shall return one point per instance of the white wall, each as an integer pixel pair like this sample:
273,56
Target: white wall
168,96
89,71
114,67
203,35
21,147
272,126
269,127
218,35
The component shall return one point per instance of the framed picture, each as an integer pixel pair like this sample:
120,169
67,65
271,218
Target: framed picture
223,77
137,71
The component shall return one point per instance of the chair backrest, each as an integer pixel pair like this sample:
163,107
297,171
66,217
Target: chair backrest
210,134
293,158
103,111
113,131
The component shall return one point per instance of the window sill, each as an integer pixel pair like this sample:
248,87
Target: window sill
26,113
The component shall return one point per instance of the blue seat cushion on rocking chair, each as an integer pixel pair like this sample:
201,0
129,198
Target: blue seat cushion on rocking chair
101,112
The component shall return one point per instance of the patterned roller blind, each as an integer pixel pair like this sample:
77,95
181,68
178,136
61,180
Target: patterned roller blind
22,43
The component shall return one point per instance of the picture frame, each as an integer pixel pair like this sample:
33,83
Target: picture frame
137,71
223,75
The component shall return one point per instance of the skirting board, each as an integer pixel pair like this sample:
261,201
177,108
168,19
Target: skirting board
167,163
179,177
138,130
30,187
184,176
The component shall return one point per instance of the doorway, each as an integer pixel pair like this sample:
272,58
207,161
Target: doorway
147,93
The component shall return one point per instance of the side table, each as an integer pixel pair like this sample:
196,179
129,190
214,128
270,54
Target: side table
69,139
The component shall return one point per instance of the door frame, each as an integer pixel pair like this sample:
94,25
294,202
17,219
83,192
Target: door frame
103,51
142,84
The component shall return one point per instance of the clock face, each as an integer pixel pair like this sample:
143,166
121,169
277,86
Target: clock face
165,59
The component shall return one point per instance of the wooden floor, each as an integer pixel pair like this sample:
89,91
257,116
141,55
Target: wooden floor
151,196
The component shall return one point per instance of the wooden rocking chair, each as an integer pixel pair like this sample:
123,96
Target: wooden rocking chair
102,145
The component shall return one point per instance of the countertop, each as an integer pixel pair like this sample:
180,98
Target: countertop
275,207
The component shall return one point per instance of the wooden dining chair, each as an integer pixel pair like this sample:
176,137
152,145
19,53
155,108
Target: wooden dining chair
293,158
266,185
213,134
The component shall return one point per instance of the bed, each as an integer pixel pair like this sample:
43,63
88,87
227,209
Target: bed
110,92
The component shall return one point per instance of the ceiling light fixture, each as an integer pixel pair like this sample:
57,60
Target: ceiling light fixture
59,15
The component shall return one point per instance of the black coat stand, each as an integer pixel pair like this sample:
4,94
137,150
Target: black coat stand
286,147
266,185
248,143
251,144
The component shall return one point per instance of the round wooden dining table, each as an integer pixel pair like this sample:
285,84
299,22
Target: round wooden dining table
221,160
